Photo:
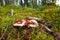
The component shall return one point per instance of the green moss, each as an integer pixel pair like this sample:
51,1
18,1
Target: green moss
51,14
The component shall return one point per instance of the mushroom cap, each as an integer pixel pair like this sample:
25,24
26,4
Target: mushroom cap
27,23
19,23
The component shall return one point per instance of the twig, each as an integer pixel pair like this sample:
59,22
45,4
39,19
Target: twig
4,32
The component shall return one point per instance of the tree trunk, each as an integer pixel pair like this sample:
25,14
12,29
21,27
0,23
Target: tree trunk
7,2
33,3
26,3
0,2
21,3
11,2
14,2
44,2
54,1
3,2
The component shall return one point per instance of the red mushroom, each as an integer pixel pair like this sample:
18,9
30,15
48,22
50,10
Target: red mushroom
32,23
27,23
19,23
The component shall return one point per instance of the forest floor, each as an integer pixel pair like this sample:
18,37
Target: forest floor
47,13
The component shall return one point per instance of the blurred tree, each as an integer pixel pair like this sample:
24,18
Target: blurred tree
26,3
44,2
11,2
7,2
21,2
33,3
48,1
54,1
2,2
14,2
